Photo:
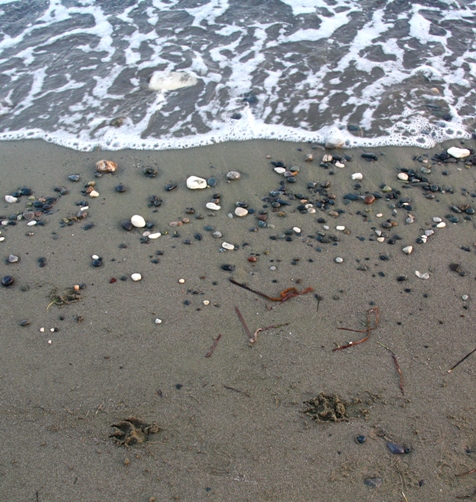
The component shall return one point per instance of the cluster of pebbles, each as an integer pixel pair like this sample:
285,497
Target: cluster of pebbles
281,201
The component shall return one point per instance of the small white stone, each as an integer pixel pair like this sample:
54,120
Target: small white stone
378,232
410,219
465,298
407,249
241,212
379,215
155,235
233,175
297,230
273,267
426,275
2,239
94,194
50,342
137,221
10,199
326,227
339,259
181,281
136,277
441,224
357,176
424,238
311,210
42,330
212,206
196,183
437,219
327,158
339,165
94,257
206,302
158,321
458,153
429,232
31,223
228,246
380,239
402,176
341,228
280,170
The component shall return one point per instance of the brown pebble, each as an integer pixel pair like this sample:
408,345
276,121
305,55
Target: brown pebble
309,157
185,220
369,199
175,224
252,259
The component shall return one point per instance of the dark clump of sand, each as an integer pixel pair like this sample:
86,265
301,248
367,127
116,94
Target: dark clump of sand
235,425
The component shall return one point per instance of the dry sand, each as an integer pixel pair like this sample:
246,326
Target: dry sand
233,427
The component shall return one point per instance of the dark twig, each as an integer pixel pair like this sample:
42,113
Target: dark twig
373,310
284,296
472,471
237,390
245,326
461,360
214,345
397,366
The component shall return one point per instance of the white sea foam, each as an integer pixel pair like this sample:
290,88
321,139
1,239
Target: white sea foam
291,70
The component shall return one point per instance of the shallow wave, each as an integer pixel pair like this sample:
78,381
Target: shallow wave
77,73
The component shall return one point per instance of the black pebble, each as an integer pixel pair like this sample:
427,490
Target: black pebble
7,281
97,263
227,267
360,439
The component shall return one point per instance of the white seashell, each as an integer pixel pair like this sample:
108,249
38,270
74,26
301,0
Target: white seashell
156,235
212,206
228,246
196,183
311,210
136,277
458,153
426,275
402,176
241,211
137,221
10,199
407,249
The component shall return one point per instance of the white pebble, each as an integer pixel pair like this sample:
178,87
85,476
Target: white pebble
379,215
94,193
31,223
357,176
10,199
441,224
280,170
2,239
273,267
158,321
424,238
407,249
458,153
297,230
327,158
402,176
341,228
233,175
339,165
228,246
95,257
241,212
212,206
311,210
137,221
42,330
156,235
206,302
437,219
326,227
465,297
380,239
181,281
339,259
429,232
136,277
196,183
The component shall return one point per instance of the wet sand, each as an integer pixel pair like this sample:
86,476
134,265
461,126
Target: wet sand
233,426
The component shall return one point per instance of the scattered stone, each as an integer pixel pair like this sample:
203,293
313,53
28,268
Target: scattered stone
233,175
155,235
228,246
341,228
13,258
407,249
10,199
458,153
327,158
425,276
369,199
465,298
94,193
402,176
373,482
357,176
297,230
7,281
280,170
339,260
309,157
136,277
138,221
74,177
196,183
106,166
456,267
340,165
241,212
212,206
441,224
228,267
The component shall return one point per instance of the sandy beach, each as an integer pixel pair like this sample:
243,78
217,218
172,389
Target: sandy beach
238,425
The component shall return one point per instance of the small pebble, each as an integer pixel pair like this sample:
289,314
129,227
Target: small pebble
407,249
228,246
441,224
373,482
339,260
138,221
465,297
181,281
158,321
155,235
241,212
196,183
357,176
402,176
233,175
10,199
7,281
426,275
212,206
136,277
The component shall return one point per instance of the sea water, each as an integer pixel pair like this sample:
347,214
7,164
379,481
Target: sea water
160,74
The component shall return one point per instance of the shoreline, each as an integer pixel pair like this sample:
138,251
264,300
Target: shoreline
232,424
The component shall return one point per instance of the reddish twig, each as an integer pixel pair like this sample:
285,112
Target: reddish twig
400,374
373,310
214,345
284,296
245,326
472,471
461,360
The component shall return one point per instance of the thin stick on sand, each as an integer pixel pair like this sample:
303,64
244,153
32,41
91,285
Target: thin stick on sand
461,360
245,326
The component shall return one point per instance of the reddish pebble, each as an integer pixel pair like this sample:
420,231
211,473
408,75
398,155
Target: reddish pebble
112,280
253,259
369,199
